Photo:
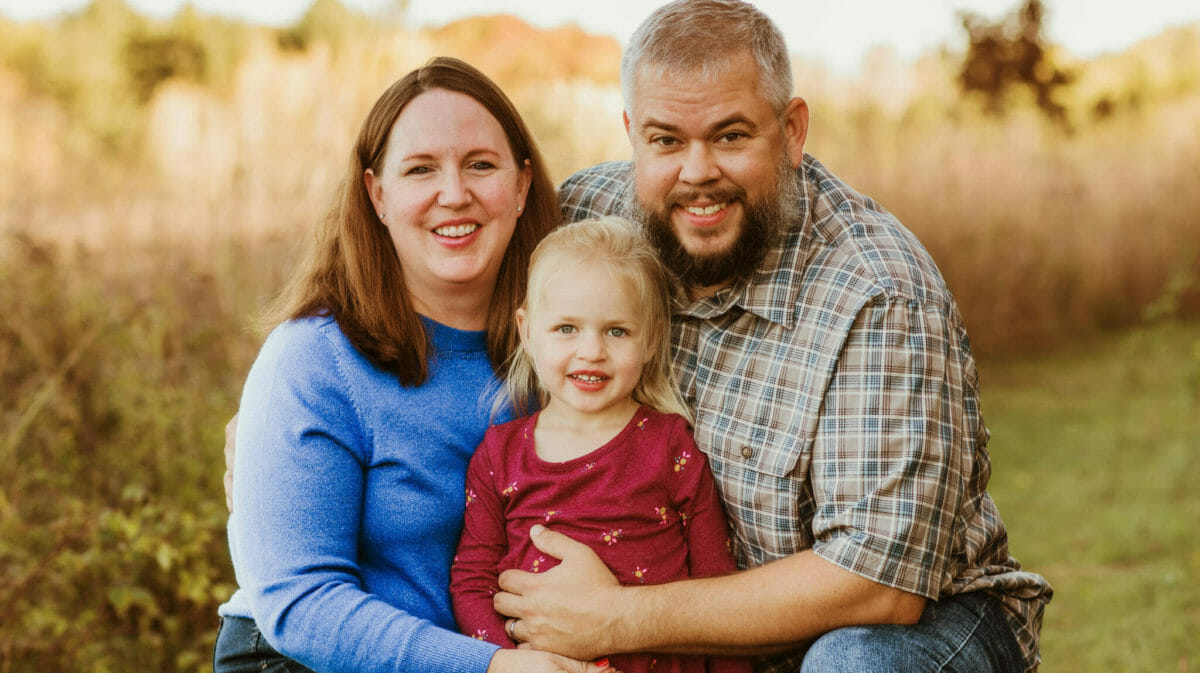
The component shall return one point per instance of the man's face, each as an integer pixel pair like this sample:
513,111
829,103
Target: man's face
709,159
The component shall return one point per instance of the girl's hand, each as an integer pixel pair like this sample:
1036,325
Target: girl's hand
534,661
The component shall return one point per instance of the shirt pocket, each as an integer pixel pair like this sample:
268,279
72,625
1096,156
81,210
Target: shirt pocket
763,478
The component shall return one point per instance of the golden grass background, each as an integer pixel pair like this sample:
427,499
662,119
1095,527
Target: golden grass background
157,179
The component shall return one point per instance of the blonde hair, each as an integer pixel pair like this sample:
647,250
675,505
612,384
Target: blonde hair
620,245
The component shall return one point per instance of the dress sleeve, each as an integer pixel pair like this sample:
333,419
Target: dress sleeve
699,504
473,577
890,469
707,530
294,532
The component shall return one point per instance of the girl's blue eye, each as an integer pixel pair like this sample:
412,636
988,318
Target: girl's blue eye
618,331
565,329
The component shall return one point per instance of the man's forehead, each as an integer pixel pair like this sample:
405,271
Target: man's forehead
665,98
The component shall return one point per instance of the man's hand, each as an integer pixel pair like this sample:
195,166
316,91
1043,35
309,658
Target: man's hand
573,608
230,431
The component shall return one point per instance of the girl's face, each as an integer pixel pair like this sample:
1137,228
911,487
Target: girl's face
449,192
585,333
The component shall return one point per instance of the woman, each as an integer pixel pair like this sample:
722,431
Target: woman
367,400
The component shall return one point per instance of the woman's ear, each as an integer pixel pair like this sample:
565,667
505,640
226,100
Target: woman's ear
526,179
375,191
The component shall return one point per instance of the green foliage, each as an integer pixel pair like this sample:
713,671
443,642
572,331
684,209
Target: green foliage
112,553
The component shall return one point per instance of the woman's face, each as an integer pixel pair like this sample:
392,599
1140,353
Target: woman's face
449,192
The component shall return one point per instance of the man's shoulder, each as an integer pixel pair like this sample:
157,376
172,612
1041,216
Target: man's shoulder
603,189
859,236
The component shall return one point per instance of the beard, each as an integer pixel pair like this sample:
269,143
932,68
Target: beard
762,221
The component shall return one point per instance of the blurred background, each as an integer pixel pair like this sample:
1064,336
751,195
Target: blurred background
161,165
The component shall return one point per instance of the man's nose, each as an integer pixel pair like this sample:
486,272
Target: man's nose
699,165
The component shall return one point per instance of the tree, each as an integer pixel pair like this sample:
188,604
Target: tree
1009,54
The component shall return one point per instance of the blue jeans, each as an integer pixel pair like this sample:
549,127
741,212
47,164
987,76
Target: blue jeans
967,633
242,649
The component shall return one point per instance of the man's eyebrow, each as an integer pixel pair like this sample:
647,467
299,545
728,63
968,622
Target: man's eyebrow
731,120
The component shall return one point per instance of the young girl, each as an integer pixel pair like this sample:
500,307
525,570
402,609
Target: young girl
609,459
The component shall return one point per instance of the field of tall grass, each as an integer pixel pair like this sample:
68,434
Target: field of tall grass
158,179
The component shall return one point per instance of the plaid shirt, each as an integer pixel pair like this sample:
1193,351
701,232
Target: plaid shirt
836,397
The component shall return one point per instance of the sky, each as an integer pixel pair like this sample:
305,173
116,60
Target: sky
838,33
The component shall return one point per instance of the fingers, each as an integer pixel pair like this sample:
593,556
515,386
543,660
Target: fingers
230,433
554,543
508,601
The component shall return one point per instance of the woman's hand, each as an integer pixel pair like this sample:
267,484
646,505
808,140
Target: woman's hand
534,661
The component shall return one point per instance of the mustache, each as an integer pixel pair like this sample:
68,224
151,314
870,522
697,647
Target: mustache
682,195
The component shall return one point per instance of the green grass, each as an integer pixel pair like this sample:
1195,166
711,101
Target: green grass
119,370
1096,454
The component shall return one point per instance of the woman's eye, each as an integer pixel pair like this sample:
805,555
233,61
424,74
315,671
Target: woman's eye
419,170
482,165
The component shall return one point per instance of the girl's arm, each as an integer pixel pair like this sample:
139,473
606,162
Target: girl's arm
473,578
707,531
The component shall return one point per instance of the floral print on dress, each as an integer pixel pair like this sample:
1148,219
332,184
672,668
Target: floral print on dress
550,514
472,496
641,425
536,566
681,461
480,634
611,537
661,511
510,489
640,574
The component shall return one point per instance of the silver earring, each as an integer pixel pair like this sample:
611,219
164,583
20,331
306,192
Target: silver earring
519,208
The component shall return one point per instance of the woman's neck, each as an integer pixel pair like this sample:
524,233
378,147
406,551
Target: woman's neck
465,311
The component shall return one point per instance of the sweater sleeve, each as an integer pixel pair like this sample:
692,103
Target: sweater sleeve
474,576
298,501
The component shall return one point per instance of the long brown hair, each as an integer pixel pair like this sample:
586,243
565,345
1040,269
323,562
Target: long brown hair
352,271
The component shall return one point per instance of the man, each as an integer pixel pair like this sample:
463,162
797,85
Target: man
832,381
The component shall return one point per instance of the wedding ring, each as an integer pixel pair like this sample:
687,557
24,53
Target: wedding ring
508,628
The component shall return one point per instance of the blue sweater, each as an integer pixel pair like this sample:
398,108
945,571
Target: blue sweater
348,501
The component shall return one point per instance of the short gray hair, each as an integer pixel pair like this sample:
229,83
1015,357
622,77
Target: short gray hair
700,37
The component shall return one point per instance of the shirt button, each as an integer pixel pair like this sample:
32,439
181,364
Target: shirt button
747,452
